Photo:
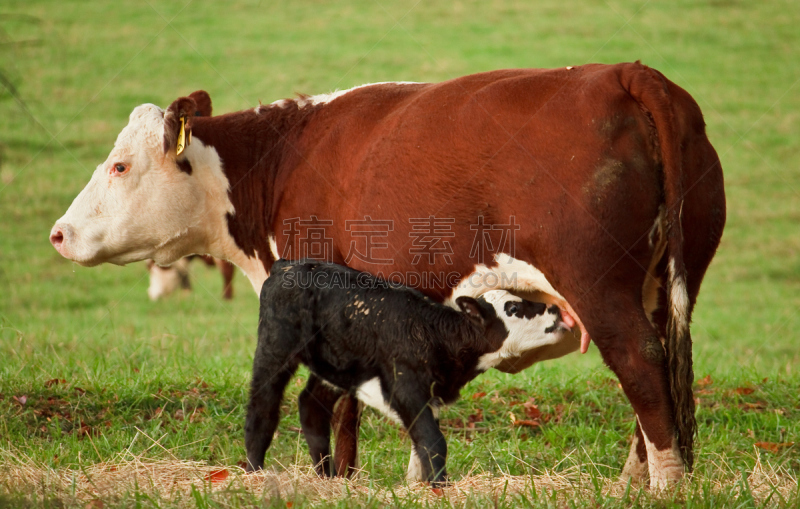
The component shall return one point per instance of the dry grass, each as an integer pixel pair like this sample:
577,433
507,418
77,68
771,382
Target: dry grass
176,482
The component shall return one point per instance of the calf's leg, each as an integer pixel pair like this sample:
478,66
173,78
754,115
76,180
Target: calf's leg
263,412
316,404
430,445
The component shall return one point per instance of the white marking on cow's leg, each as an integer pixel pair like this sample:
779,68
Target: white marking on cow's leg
634,468
414,472
371,394
665,466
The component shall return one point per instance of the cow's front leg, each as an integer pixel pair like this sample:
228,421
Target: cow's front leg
632,349
636,465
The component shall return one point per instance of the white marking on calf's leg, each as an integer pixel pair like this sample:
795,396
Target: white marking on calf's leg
414,472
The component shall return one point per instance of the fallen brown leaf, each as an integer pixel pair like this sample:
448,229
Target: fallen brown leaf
54,381
706,380
478,395
526,422
217,475
744,390
773,447
531,410
20,399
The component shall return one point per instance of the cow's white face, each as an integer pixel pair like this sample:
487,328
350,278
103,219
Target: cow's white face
139,204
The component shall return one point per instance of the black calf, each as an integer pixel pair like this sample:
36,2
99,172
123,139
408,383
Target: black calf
391,346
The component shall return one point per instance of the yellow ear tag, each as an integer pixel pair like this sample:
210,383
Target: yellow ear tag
181,137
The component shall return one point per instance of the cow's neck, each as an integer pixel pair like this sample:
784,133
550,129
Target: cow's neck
255,148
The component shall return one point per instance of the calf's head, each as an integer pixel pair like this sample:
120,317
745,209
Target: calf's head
484,315
145,201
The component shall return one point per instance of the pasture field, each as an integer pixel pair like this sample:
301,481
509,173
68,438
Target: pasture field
109,400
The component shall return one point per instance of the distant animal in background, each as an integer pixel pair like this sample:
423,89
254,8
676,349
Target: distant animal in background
165,280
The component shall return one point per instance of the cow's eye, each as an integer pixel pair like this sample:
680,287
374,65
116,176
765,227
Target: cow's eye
120,168
513,309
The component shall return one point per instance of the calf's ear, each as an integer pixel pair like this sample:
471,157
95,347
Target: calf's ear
473,310
203,102
181,108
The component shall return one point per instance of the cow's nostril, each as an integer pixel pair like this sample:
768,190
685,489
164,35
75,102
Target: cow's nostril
56,237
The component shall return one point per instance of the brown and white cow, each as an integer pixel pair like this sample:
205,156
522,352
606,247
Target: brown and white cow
605,173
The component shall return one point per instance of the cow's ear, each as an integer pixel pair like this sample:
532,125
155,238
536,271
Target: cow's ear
473,310
203,102
182,108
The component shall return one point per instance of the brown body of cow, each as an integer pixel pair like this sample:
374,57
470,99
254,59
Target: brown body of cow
616,189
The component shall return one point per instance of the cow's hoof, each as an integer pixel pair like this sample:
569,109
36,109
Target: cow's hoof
665,477
634,470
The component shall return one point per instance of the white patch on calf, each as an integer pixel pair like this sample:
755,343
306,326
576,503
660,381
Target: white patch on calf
529,339
370,393
526,281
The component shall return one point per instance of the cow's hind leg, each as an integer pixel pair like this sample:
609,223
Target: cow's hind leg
636,465
316,404
346,421
631,347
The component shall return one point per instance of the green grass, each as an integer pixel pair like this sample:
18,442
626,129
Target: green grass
124,358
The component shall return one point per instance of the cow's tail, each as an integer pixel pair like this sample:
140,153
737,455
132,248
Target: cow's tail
649,89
